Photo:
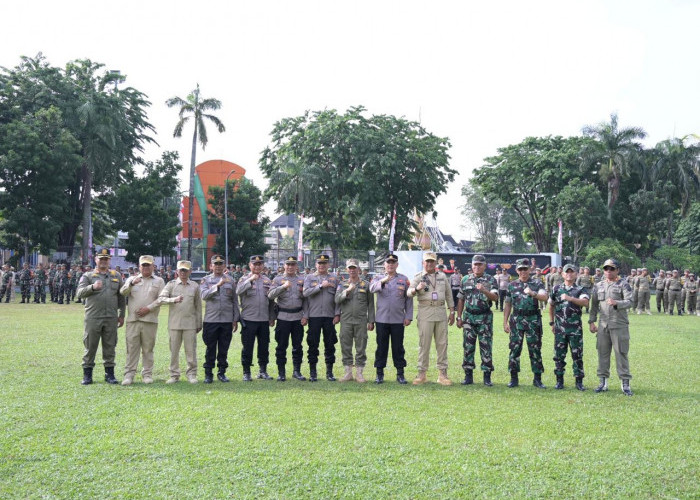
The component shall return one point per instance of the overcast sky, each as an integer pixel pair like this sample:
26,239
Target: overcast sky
484,74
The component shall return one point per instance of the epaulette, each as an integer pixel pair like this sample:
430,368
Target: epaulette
112,272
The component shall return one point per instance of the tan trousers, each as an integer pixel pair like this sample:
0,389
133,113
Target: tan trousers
617,339
140,340
643,301
426,331
357,334
177,338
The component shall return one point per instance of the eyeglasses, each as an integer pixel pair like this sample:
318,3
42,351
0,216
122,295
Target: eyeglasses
608,268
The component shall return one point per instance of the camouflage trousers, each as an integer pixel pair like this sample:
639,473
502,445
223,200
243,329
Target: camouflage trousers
6,289
64,291
528,328
40,292
478,327
562,341
25,289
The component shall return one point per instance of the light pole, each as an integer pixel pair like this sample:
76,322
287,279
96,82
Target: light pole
226,214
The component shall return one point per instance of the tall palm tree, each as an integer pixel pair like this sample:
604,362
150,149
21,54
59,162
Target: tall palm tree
195,107
614,151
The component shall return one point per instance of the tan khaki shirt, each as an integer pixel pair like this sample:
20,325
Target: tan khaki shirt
186,315
143,294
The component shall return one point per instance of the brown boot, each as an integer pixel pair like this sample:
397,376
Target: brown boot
420,379
347,377
359,377
443,379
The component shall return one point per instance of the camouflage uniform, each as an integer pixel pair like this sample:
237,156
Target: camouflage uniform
25,284
63,278
6,284
40,278
73,282
478,320
568,329
51,281
525,322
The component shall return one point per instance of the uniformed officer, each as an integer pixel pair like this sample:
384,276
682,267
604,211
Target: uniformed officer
669,275
7,283
53,292
40,277
432,288
355,305
62,283
684,278
142,322
674,293
522,299
455,281
221,318
104,313
475,316
659,283
502,280
319,289
643,287
565,303
612,297
394,312
292,316
632,280
691,291
257,316
25,283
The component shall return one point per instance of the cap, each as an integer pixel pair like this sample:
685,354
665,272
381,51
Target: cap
611,263
429,256
522,264
256,258
392,257
103,254
322,259
570,267
217,259
479,258
352,263
290,260
184,264
146,259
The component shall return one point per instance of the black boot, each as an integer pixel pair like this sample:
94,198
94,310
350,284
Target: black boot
22,301
87,376
380,376
208,376
400,377
281,373
109,375
262,374
246,374
329,372
222,376
560,382
579,384
297,373
513,379
468,377
626,388
487,379
537,381
313,376
603,385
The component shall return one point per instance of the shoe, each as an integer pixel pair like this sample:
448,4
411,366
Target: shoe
626,388
109,375
560,382
487,379
192,379
329,373
247,377
281,374
579,384
603,385
400,378
347,376
87,376
222,377
468,377
420,378
359,377
648,313
172,380
208,378
443,379
147,379
297,374
537,381
379,379
513,379
313,376
127,381
262,375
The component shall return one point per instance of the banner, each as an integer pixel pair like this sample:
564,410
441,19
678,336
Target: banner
393,230
560,238
300,244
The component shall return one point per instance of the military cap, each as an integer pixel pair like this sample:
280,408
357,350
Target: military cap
429,256
290,260
103,254
570,267
352,263
184,264
522,264
217,259
392,258
146,259
675,271
322,259
479,258
611,263
256,258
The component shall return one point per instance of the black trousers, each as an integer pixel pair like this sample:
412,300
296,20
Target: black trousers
217,337
255,330
313,339
455,291
501,298
387,332
283,331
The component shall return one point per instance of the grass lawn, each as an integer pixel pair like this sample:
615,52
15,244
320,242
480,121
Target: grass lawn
301,440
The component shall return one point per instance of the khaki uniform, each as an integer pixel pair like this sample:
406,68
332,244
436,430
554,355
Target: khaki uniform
141,331
613,327
356,310
643,288
184,321
674,287
432,316
691,291
659,284
102,310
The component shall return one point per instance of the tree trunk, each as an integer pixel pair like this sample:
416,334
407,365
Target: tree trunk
191,196
87,216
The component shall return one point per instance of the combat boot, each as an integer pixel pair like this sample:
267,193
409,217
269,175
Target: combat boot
603,385
626,388
560,382
128,381
420,378
513,379
222,376
360,376
329,372
60,301
109,375
537,381
313,375
579,384
443,379
22,301
468,377
380,376
297,373
246,374
87,376
262,374
400,378
347,376
487,379
281,373
208,376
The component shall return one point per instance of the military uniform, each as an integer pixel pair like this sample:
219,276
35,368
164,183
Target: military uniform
53,291
40,277
455,282
525,323
632,280
674,287
77,274
684,278
659,285
63,280
6,284
666,294
691,291
643,287
568,329
502,279
25,284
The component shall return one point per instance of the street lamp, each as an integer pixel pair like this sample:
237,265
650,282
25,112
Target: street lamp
226,213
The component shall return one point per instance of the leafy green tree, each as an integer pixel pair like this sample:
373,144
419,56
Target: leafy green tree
688,233
598,251
612,154
677,258
246,222
195,107
142,208
484,215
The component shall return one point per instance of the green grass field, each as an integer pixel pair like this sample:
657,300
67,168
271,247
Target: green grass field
268,439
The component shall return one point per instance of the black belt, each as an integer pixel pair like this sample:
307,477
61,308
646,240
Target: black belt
478,311
526,312
290,311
